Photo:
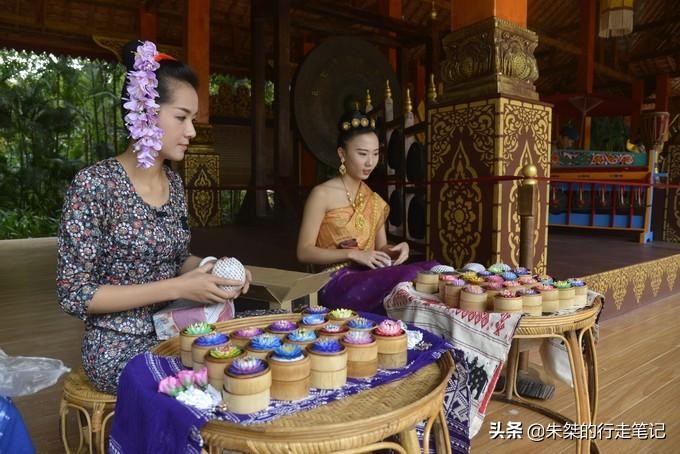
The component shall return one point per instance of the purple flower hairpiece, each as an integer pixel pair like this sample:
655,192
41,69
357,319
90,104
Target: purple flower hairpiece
142,117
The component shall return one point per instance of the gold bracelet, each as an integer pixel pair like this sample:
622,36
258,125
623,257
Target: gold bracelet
337,267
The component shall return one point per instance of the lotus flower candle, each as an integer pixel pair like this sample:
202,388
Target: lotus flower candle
484,273
507,293
225,351
283,326
494,286
511,284
473,298
287,352
542,287
499,268
509,276
248,332
532,301
527,280
494,278
326,345
389,328
198,329
313,320
521,271
360,323
474,289
264,342
545,280
302,335
358,337
507,301
468,276
247,366
211,339
528,291
333,328
562,284
342,313
322,310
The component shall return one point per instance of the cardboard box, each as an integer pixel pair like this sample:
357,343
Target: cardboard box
281,287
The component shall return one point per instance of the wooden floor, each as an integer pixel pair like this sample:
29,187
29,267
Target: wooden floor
639,358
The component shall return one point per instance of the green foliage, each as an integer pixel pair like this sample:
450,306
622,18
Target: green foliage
608,134
57,115
219,80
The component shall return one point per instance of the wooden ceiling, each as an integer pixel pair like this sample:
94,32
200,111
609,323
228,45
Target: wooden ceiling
67,27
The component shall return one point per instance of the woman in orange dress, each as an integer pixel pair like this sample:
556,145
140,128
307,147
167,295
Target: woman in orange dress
343,225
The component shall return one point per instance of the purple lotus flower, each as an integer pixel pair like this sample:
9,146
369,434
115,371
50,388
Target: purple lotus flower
283,326
326,345
361,323
358,337
247,366
287,352
265,342
248,332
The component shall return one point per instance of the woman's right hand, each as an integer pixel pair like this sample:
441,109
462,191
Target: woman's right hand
202,286
372,259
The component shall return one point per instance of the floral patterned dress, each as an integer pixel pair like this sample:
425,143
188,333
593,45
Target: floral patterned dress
109,235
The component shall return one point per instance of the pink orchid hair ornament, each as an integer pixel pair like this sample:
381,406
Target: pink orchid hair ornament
141,106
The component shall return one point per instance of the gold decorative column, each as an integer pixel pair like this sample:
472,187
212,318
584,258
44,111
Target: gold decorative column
200,171
487,123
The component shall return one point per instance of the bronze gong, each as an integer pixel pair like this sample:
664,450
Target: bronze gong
332,78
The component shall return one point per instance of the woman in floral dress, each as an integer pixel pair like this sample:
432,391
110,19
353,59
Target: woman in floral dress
123,241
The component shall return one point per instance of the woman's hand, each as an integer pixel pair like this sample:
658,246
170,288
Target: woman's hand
401,252
202,286
372,259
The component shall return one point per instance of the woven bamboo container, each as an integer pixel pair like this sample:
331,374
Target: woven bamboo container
255,353
362,359
247,393
392,351
240,341
185,341
313,327
198,354
426,288
428,277
473,301
444,278
503,304
451,295
532,304
216,367
581,295
290,379
566,297
341,321
551,302
490,297
328,370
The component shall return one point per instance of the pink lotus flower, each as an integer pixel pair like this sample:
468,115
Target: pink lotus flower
201,378
170,386
186,378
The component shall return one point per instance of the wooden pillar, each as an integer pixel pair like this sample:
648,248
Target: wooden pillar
663,92
148,24
201,165
465,12
488,122
256,198
391,8
197,45
586,62
638,96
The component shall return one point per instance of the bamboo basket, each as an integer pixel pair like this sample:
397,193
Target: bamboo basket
532,304
428,277
502,304
427,287
261,354
551,301
185,342
198,354
473,301
581,295
247,393
566,297
444,278
451,295
216,367
328,370
392,351
290,379
362,359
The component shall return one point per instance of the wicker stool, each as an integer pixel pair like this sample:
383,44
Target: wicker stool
93,407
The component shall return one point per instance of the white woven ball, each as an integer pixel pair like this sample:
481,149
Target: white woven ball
442,269
474,267
230,268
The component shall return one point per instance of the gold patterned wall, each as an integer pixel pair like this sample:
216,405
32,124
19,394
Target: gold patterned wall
478,220
628,287
671,230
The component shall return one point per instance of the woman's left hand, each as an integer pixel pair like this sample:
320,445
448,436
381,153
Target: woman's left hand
402,250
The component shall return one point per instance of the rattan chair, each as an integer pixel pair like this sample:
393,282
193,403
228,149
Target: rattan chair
94,410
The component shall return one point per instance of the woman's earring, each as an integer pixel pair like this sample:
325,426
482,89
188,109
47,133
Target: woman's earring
342,169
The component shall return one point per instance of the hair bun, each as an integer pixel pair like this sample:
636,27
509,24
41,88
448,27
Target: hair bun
128,54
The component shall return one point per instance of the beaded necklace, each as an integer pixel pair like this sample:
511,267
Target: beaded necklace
357,205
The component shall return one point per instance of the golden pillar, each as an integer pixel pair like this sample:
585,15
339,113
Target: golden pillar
487,123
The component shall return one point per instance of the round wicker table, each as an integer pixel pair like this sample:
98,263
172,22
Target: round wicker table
357,424
575,330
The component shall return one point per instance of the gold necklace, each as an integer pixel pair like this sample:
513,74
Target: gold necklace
357,205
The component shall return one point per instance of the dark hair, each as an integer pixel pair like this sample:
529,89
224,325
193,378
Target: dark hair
354,123
169,70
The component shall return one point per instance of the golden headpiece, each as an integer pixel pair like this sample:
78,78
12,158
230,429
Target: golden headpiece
361,121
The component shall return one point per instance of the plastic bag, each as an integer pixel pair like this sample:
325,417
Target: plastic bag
23,375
